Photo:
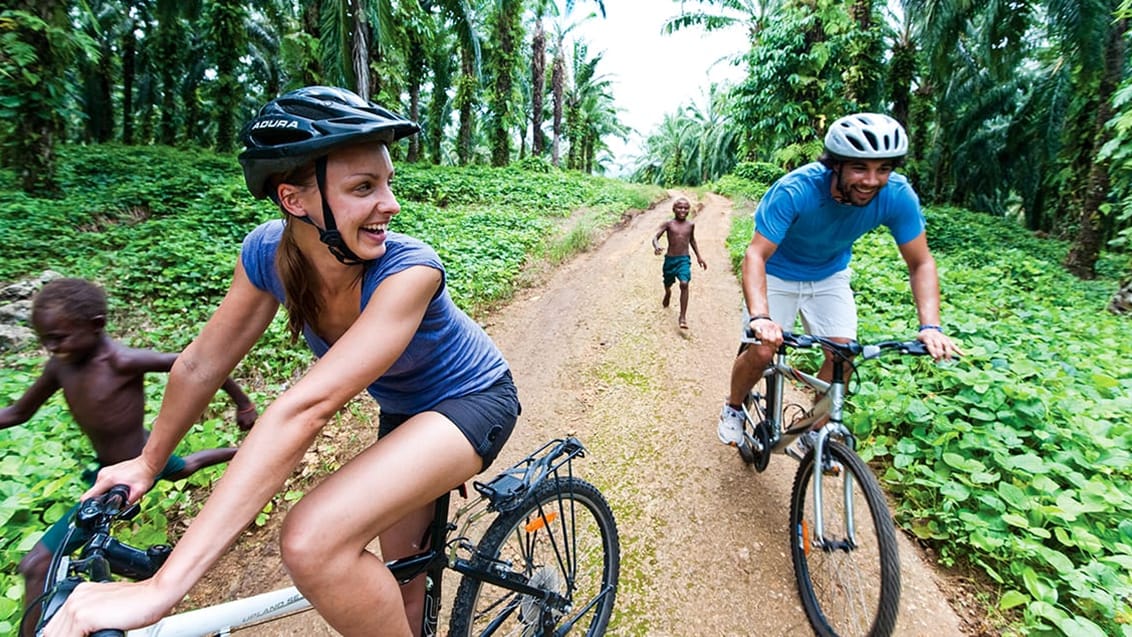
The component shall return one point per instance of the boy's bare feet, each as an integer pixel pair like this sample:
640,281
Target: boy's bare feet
683,323
667,297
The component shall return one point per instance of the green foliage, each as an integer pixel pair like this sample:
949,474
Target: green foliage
759,171
161,228
1014,459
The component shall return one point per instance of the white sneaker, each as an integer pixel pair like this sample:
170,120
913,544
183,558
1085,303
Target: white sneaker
730,428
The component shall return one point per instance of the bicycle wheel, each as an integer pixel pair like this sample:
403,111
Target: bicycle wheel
564,539
849,580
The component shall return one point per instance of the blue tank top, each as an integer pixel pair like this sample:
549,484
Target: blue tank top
815,234
449,356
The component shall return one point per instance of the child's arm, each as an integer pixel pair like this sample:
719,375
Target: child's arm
246,413
656,240
23,409
143,360
695,248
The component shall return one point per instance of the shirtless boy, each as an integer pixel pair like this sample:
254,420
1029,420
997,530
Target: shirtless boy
102,382
677,262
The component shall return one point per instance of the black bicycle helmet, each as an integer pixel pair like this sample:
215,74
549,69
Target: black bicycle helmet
302,125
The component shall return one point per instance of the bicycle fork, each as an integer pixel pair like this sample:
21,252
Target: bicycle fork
836,398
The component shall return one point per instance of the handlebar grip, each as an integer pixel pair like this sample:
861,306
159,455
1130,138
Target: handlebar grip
119,493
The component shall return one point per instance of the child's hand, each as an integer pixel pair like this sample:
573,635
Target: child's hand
658,250
703,264
246,417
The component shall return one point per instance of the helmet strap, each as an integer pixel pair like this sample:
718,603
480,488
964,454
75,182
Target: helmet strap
840,185
330,235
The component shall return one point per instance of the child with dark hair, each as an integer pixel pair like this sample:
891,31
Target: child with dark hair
681,235
103,384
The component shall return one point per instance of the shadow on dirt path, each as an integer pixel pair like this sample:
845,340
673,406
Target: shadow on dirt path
705,549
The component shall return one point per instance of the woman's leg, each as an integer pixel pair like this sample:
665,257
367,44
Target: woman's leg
389,487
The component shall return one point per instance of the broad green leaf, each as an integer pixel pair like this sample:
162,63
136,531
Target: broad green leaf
1012,598
1013,496
1027,462
1039,588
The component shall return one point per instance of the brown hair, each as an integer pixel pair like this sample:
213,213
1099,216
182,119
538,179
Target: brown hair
299,296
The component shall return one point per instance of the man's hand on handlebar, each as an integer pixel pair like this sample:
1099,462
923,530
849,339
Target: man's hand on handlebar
767,331
939,345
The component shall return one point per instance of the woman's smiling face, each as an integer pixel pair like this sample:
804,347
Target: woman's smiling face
358,189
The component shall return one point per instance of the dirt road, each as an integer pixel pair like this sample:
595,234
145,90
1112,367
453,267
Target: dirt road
705,549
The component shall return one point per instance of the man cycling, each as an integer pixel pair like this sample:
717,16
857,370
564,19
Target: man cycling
798,258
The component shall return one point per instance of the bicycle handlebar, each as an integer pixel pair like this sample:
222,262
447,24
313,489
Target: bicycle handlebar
102,554
854,348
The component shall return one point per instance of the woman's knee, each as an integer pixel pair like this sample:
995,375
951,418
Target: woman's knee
304,546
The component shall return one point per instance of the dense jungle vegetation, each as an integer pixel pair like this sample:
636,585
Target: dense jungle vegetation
160,229
118,120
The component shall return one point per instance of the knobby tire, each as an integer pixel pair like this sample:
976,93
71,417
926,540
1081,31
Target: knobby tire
563,537
846,592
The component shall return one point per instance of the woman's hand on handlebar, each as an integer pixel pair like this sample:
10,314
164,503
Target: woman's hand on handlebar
135,474
120,605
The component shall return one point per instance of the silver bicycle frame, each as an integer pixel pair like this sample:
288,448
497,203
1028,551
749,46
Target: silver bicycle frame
222,618
830,406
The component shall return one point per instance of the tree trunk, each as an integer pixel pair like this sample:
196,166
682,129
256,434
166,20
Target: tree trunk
465,100
1082,258
359,49
31,149
129,71
538,82
557,83
505,34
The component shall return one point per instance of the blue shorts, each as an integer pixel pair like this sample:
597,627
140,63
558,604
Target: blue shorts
678,267
486,418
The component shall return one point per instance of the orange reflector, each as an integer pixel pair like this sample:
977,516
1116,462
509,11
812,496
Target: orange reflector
540,522
805,539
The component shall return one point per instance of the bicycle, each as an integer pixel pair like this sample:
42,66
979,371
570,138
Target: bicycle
842,538
548,562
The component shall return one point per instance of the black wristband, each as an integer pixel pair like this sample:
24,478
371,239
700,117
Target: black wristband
759,317
937,328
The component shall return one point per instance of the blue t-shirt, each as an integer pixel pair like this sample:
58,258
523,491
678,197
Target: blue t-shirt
449,356
815,234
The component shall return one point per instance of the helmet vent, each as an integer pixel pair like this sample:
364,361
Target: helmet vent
308,112
873,141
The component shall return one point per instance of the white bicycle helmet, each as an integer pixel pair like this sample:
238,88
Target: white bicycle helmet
866,136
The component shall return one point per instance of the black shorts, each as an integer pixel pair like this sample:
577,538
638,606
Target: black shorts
486,418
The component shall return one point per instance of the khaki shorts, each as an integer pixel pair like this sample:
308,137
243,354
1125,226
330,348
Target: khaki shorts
826,307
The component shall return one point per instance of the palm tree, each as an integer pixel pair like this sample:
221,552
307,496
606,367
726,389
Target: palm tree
1081,260
35,98
228,40
538,65
506,33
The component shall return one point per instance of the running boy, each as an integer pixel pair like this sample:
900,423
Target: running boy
677,262
102,382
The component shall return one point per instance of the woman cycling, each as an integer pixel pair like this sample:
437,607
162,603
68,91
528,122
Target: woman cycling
373,306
